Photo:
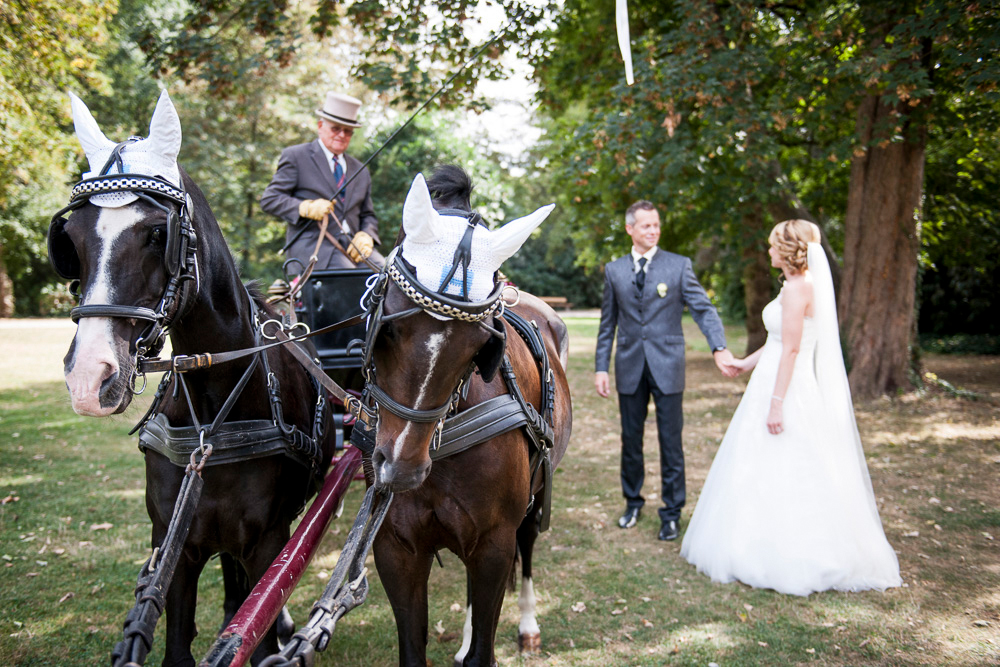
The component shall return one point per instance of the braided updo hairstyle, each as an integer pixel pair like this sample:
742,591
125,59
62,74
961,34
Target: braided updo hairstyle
792,239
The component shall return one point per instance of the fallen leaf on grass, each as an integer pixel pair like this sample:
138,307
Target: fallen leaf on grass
31,574
912,533
748,607
66,597
762,644
810,650
439,628
864,643
456,607
979,623
10,499
987,536
579,607
647,623
615,612
101,526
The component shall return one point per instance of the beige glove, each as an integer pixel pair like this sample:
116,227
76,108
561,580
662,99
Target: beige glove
361,247
315,209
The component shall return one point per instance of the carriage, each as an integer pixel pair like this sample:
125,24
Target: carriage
240,433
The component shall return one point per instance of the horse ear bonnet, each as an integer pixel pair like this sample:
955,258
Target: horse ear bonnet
490,355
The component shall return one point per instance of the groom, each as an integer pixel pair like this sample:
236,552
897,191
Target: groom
644,297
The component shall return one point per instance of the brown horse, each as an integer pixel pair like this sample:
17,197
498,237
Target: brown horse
150,257
484,503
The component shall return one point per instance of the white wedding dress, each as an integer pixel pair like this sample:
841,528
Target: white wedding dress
794,512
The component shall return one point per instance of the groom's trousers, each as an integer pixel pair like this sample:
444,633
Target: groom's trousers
634,409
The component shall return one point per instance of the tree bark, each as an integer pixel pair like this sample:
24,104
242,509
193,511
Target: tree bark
6,290
881,242
757,283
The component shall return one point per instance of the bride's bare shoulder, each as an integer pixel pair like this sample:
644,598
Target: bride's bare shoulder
797,290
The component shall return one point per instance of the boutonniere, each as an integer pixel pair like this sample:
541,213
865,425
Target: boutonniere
661,289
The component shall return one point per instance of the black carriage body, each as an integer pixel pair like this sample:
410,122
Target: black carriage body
327,298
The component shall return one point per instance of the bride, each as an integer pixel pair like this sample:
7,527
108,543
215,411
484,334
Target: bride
788,503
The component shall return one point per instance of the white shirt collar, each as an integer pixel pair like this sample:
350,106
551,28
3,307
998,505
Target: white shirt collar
330,156
648,255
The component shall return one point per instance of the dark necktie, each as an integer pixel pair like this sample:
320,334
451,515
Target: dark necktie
640,277
338,177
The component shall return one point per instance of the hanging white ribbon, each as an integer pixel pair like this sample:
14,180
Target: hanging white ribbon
621,19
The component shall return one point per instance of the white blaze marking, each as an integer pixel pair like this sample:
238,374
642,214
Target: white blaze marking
94,356
433,346
526,603
466,636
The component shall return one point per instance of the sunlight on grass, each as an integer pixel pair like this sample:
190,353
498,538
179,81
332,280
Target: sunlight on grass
127,493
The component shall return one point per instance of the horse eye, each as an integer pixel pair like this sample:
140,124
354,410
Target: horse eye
158,236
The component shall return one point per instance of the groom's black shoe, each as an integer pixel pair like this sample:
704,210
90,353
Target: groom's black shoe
668,531
630,517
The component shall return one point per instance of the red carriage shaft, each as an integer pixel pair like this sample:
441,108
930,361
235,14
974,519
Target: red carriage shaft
236,644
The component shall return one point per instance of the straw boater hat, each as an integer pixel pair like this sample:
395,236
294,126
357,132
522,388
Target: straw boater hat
341,109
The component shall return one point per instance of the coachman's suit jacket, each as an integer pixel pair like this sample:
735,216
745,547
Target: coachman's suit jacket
303,173
649,325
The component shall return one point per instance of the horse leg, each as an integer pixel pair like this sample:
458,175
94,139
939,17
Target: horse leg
236,586
404,577
182,598
529,637
489,568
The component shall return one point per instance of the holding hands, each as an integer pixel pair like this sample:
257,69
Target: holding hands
726,362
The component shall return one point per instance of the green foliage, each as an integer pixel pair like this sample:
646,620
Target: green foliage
41,56
743,114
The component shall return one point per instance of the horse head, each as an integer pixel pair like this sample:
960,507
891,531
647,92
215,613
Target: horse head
128,241
437,322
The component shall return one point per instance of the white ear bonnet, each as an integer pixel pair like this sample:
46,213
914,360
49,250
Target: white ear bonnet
155,155
431,240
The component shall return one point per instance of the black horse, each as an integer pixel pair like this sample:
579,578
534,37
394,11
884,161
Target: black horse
485,503
160,263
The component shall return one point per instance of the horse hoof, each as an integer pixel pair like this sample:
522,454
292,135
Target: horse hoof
529,643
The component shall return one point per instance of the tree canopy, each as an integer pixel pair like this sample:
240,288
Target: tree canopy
877,122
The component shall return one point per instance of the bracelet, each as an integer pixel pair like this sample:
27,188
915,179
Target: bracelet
777,398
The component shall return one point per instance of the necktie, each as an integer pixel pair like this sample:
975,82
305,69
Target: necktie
338,177
640,277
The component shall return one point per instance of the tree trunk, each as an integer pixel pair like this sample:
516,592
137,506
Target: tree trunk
6,290
881,242
757,281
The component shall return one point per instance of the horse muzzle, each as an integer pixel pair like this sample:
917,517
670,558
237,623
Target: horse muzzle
397,475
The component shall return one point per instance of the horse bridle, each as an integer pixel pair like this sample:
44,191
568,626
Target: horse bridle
179,260
437,304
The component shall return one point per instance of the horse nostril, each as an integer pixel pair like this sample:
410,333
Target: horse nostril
109,382
378,467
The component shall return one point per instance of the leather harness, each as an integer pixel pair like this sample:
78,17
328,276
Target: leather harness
459,431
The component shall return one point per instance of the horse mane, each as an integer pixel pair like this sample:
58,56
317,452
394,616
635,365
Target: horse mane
450,187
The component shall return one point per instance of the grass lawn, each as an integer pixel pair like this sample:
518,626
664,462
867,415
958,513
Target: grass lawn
73,533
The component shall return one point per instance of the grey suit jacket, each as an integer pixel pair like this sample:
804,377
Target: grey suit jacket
303,173
649,325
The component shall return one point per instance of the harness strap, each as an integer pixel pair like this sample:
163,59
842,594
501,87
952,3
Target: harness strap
233,442
114,310
185,362
383,400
